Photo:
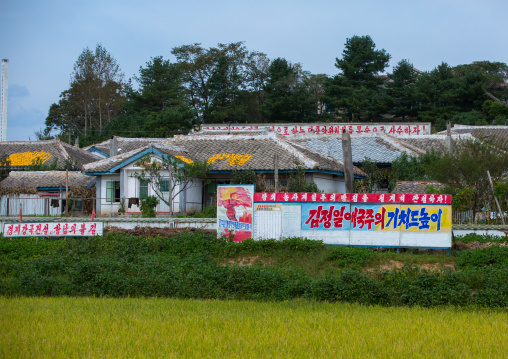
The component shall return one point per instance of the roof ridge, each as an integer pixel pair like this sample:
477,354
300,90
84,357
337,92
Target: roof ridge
290,148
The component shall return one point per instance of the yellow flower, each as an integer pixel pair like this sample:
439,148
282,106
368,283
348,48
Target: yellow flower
234,160
185,159
27,158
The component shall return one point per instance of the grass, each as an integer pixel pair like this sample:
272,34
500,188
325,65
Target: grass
154,328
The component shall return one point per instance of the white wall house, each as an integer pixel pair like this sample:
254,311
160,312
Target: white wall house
116,183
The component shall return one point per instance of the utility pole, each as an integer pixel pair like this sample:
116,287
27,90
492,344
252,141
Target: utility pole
3,103
348,162
276,171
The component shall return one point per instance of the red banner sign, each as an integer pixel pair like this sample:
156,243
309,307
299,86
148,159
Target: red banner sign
354,198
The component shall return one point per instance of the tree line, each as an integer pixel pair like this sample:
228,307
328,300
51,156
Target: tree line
230,83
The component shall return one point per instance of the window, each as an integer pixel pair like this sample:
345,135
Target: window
143,189
165,185
113,191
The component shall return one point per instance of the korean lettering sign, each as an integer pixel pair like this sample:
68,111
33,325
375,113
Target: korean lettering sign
332,216
53,229
376,217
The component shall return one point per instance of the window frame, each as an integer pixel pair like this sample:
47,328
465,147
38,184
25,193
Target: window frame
112,186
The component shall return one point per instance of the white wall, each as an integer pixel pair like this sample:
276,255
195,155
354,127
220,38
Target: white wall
106,207
328,184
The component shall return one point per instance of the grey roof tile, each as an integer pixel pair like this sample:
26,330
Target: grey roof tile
30,179
49,150
415,187
109,163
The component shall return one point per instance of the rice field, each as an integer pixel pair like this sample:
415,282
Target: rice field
171,328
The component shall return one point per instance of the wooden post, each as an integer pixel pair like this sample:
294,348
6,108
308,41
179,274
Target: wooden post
276,171
448,139
497,202
66,193
348,162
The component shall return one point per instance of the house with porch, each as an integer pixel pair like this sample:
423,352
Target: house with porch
119,189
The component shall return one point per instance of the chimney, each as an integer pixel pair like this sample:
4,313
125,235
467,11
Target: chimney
113,146
76,142
448,139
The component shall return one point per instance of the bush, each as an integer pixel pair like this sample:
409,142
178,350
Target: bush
482,238
148,205
493,255
350,256
188,266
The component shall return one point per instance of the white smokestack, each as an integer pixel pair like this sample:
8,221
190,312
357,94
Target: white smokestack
3,104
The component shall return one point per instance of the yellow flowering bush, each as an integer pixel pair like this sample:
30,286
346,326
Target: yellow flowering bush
27,158
233,159
185,159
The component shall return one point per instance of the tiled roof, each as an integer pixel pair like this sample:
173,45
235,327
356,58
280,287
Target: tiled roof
497,133
415,187
109,163
21,153
125,144
423,143
30,179
255,151
379,148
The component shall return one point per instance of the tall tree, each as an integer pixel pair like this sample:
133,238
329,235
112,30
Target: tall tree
287,96
95,95
157,108
401,90
160,85
444,95
494,74
356,92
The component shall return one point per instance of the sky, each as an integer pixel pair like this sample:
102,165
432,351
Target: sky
43,39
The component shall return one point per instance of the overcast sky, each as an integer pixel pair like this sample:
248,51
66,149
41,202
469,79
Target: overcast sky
43,39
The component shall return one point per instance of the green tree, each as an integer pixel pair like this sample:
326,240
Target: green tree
467,166
414,168
95,95
181,175
287,96
158,107
401,90
212,77
356,93
442,94
160,85
494,75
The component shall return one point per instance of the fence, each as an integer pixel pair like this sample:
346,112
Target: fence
54,205
35,205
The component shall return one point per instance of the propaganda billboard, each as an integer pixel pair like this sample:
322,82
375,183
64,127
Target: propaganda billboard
384,220
235,204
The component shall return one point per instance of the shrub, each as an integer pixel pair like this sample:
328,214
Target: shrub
148,205
493,255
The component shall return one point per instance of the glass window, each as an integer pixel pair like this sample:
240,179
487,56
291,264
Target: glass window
143,189
113,191
165,185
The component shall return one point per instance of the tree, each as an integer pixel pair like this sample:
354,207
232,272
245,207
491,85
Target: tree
494,75
224,83
212,76
414,168
160,86
441,94
158,106
287,96
356,92
95,95
401,90
171,174
467,166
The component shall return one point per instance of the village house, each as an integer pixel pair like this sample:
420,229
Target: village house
44,193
